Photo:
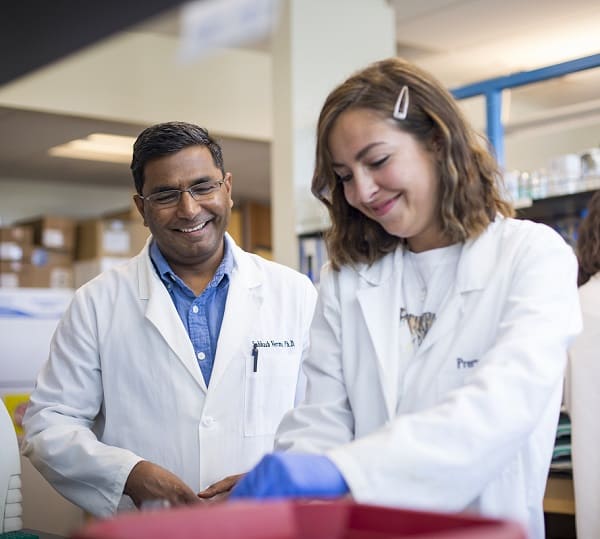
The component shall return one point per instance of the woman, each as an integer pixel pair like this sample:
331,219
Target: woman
440,336
583,379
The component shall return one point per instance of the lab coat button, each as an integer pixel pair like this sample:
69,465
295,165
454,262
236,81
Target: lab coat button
208,421
201,355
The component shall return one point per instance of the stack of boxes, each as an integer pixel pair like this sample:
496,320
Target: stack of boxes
60,252
38,253
107,241
15,243
51,259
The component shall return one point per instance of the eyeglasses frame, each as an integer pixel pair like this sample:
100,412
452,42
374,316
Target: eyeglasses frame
205,196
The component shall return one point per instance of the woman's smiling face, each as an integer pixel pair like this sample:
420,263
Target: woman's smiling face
389,176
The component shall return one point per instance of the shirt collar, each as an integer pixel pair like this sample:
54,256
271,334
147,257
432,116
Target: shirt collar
167,275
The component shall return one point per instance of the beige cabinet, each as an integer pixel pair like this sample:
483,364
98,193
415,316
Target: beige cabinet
250,227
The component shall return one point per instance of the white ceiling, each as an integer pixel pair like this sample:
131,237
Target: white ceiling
26,136
461,41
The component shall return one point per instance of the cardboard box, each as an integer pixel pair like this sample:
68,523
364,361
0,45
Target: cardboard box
9,273
10,266
99,237
11,251
22,235
86,270
53,232
46,277
42,256
14,242
139,235
9,280
138,231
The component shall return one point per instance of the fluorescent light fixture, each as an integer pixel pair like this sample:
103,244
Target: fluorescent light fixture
97,147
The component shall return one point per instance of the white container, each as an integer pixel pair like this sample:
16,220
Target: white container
590,162
11,509
565,173
28,318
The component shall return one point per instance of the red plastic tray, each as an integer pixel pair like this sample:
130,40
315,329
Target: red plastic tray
297,520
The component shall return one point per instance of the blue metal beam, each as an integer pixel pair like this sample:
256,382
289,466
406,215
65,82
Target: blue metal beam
492,90
495,130
526,77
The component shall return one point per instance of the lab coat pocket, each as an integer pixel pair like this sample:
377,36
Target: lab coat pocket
269,390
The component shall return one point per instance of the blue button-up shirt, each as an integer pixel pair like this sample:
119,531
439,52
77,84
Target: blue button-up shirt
201,315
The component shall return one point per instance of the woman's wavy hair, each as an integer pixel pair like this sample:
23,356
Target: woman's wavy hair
469,175
588,241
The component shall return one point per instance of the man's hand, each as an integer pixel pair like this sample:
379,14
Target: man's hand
149,481
221,489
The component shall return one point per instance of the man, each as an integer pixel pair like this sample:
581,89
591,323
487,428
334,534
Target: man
173,370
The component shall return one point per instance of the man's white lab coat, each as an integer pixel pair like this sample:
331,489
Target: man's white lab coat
123,384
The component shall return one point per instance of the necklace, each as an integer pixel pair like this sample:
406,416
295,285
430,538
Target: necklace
421,282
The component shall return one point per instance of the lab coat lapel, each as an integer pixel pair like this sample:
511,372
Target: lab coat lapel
243,303
161,312
475,265
380,297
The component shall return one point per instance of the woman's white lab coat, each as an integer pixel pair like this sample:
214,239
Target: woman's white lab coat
123,384
583,402
469,422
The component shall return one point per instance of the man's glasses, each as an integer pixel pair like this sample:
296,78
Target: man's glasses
171,197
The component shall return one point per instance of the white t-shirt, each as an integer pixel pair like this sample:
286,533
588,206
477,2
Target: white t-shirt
427,278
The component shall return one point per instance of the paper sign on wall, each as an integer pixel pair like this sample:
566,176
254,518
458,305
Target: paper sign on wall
211,24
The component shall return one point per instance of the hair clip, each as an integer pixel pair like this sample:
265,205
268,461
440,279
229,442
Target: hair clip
401,107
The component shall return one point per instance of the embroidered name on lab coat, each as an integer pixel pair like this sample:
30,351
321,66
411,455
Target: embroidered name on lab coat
465,364
272,343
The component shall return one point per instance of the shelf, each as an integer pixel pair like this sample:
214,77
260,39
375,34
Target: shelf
558,206
566,188
521,203
559,496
